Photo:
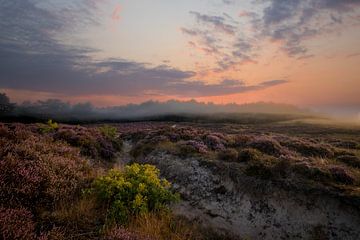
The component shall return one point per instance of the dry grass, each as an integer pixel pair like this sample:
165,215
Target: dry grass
164,226
79,219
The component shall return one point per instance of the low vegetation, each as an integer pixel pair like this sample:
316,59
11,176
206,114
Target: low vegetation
135,191
98,143
281,157
50,190
59,181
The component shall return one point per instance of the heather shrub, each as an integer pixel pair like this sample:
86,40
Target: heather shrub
35,171
249,154
282,168
214,142
95,143
136,190
199,146
266,145
310,149
120,233
341,152
186,149
79,137
350,160
262,166
229,155
16,224
348,144
312,172
259,170
55,234
242,140
341,175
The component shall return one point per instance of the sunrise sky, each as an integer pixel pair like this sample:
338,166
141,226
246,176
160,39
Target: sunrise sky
114,52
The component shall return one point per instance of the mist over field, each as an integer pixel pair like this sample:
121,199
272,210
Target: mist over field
64,111
54,108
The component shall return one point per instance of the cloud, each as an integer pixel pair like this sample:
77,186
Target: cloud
352,55
289,23
225,87
217,22
219,36
116,13
205,41
273,83
228,2
33,57
293,22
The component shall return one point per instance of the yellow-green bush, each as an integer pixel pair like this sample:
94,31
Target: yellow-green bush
109,131
136,190
50,126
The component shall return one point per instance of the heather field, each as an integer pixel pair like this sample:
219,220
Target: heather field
179,120
167,180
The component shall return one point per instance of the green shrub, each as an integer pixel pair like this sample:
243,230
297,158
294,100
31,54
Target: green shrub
50,126
109,131
136,190
111,134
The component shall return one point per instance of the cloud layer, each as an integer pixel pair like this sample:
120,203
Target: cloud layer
290,23
33,56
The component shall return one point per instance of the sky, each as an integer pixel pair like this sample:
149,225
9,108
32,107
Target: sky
115,52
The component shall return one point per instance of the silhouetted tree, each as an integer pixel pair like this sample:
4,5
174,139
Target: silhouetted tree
5,105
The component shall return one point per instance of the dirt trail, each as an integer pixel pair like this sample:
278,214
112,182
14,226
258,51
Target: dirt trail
124,156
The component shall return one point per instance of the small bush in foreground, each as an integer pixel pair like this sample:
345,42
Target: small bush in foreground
37,172
16,224
136,190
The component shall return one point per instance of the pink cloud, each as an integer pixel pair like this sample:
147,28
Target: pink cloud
116,13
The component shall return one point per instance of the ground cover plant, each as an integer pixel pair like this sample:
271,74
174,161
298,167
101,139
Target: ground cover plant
36,174
135,191
279,155
45,168
52,190
98,143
